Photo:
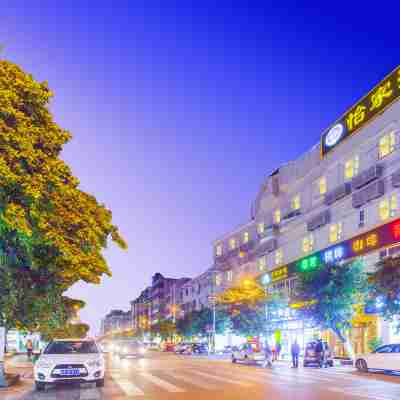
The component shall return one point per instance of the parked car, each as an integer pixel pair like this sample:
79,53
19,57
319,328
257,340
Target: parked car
170,347
70,361
226,350
130,349
200,348
248,352
384,358
311,356
180,348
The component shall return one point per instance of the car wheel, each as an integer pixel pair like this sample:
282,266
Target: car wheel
40,386
100,383
233,360
331,363
305,364
361,365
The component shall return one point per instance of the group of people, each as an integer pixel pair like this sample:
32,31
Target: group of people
272,354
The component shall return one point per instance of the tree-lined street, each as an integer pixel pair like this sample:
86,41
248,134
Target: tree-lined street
166,376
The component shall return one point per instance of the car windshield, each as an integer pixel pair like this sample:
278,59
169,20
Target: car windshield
72,347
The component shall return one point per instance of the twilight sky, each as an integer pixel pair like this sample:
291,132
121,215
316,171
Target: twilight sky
178,112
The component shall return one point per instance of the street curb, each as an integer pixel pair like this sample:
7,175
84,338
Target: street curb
10,380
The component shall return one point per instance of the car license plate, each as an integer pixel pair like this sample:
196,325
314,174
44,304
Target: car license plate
70,372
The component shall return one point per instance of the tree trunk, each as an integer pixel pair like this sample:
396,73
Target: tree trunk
346,342
3,382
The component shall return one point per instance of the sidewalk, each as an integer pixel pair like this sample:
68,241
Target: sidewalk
19,364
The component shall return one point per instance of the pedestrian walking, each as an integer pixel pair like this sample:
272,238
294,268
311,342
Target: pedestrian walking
295,350
319,349
29,348
273,350
268,356
278,350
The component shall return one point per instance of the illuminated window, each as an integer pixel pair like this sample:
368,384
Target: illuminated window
278,257
388,207
246,237
335,232
308,243
393,204
322,185
262,263
351,167
218,250
387,144
232,243
261,228
296,204
218,279
229,275
277,216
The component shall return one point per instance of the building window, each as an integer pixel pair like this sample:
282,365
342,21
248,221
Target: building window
277,216
260,228
246,237
232,243
296,203
229,275
322,185
388,207
351,167
335,232
308,243
393,204
361,221
218,250
218,279
387,144
262,263
278,257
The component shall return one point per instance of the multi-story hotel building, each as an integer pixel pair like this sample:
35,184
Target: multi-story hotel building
338,201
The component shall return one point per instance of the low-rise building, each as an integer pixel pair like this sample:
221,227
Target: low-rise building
116,321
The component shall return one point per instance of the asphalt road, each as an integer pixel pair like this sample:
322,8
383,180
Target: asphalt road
169,377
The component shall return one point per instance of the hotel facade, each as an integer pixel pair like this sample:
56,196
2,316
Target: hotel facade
337,202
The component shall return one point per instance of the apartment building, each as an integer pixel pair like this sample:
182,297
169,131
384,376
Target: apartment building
116,321
338,201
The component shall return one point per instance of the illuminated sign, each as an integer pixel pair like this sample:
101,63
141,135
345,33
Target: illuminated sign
266,279
279,274
383,236
381,96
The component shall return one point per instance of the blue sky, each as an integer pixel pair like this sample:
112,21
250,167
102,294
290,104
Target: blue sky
178,112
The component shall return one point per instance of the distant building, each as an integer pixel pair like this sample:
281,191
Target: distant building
115,321
157,302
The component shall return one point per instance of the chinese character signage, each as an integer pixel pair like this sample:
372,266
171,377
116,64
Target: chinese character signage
385,93
381,237
279,274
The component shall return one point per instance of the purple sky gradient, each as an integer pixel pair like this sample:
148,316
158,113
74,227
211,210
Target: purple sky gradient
178,113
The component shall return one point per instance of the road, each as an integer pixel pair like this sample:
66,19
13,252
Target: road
162,376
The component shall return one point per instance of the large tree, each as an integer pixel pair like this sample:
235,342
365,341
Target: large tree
51,233
384,294
329,295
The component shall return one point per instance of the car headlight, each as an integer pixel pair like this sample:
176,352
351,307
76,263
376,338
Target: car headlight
142,350
94,363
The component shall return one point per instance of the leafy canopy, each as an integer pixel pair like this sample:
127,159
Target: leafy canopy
330,294
51,233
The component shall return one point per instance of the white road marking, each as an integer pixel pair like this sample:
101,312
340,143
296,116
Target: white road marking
169,387
89,394
220,378
359,393
127,386
192,380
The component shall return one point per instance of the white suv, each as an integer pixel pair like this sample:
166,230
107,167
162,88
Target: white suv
68,361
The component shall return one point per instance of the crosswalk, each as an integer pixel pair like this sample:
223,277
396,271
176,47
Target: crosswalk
142,383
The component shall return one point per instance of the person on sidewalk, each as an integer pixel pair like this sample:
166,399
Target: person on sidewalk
268,356
29,348
278,350
319,349
295,350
